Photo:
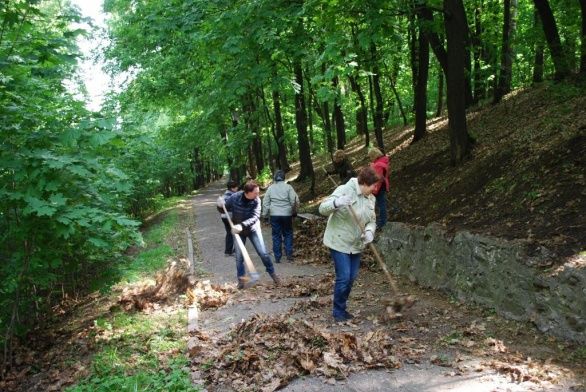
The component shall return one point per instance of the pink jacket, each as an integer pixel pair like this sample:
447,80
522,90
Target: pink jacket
381,167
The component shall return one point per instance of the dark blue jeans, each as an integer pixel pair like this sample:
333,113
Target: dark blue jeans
229,248
346,266
282,230
381,205
259,246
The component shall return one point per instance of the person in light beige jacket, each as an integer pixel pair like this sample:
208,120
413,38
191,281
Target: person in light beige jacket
343,235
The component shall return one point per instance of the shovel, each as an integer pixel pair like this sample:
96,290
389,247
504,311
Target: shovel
253,275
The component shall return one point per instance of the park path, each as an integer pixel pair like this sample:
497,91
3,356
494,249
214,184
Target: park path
423,375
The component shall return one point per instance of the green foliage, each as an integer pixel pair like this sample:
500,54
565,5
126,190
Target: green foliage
265,177
140,351
61,195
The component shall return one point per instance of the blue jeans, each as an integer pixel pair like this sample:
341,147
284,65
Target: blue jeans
259,246
229,248
381,204
346,266
282,229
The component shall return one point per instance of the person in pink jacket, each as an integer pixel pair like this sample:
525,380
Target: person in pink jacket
380,164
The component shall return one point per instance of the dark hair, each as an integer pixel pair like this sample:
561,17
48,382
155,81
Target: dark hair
232,184
249,186
367,176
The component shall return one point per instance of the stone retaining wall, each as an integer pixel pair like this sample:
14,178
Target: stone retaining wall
494,273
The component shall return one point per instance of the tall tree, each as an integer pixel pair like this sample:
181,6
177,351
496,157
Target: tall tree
280,132
538,58
455,25
503,84
376,88
361,111
439,51
338,116
305,163
421,85
552,36
583,39
440,92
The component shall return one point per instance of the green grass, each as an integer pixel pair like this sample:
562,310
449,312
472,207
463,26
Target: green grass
137,351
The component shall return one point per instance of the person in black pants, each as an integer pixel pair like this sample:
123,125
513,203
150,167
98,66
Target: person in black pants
232,187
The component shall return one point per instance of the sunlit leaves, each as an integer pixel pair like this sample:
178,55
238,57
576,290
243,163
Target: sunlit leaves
61,195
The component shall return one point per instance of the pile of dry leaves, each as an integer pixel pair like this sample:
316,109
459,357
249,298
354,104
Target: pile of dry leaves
207,295
308,236
146,297
267,352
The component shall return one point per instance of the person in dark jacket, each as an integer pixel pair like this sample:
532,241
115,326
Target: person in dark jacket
245,206
342,167
232,187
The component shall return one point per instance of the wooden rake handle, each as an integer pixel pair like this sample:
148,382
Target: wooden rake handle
376,254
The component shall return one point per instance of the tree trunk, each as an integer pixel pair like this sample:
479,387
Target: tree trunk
455,26
361,112
413,52
306,166
325,110
392,81
503,86
479,73
440,92
437,46
583,39
280,133
433,37
539,49
312,142
421,87
252,123
552,38
378,111
238,167
338,117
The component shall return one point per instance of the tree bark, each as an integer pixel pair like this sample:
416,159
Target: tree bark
361,112
378,111
455,26
252,123
392,82
583,46
413,52
338,117
503,85
421,87
539,49
440,53
280,133
440,92
306,166
479,74
325,110
433,37
552,38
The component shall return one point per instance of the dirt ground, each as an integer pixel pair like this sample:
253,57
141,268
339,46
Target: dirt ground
259,339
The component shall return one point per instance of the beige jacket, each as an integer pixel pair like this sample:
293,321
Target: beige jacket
342,233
